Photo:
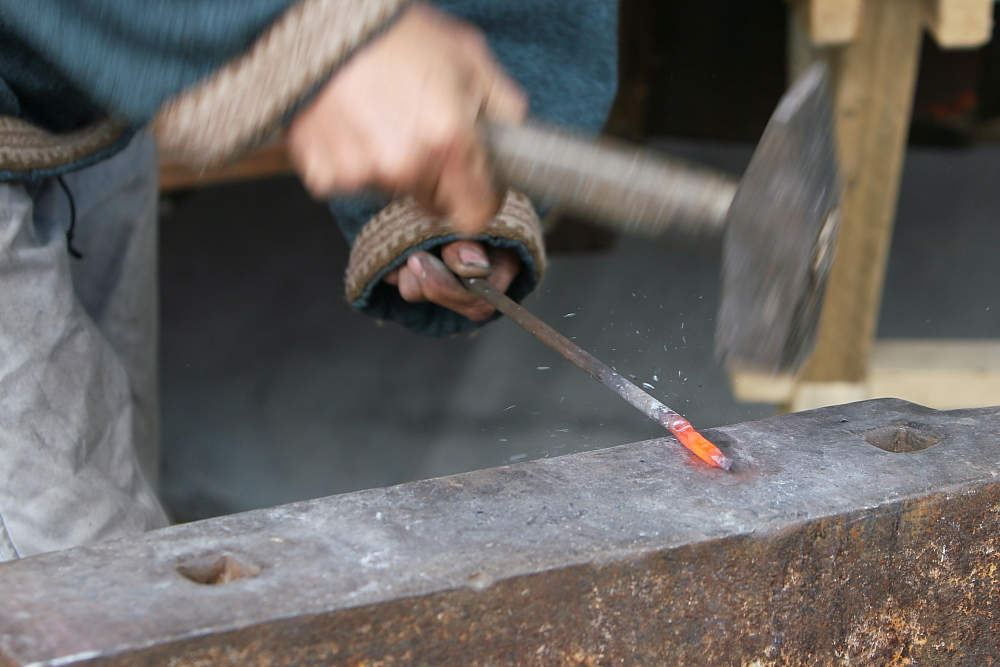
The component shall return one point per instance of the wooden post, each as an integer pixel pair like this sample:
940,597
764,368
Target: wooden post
268,160
874,78
830,22
960,23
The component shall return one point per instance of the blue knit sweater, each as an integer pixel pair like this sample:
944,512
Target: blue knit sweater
63,63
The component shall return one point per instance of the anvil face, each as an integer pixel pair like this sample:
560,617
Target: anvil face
860,534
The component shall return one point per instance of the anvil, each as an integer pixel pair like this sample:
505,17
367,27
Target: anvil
860,534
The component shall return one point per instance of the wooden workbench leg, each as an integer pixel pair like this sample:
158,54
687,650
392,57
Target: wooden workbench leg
874,79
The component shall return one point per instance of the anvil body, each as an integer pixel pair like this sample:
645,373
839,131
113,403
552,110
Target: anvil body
819,548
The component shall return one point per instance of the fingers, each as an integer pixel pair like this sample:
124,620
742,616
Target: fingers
505,102
506,265
424,277
466,187
466,191
432,281
457,179
326,161
402,115
409,286
466,258
503,99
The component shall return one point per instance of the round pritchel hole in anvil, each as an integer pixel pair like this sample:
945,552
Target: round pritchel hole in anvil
216,569
900,438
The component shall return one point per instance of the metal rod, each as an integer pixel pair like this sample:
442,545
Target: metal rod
601,372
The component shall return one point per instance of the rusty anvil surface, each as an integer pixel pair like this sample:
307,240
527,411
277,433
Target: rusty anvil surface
819,549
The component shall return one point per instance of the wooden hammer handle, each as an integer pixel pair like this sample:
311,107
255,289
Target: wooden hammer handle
628,188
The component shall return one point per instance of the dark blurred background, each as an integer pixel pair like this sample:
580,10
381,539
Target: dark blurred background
716,69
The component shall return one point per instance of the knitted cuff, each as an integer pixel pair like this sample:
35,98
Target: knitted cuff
247,100
402,228
28,152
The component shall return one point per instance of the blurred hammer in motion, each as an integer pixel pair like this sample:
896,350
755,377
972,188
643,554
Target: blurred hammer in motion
777,226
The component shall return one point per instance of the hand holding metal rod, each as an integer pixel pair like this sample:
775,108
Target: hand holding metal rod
603,373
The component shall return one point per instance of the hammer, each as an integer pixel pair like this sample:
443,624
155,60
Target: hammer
777,225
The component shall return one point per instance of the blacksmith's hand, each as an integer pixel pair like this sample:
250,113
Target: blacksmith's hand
424,277
401,115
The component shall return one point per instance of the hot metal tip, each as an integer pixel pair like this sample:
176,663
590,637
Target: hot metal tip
722,461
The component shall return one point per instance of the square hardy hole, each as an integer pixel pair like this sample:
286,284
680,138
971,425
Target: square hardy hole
216,569
900,438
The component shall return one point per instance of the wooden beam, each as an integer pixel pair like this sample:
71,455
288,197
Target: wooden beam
753,387
833,22
940,374
874,78
958,24
943,374
269,160
812,395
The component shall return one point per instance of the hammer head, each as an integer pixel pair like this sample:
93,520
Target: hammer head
781,232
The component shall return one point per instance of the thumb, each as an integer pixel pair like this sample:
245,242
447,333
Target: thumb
503,100
467,259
